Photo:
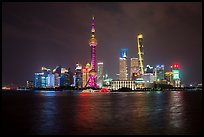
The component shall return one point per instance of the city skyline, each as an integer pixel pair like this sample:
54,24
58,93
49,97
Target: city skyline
51,34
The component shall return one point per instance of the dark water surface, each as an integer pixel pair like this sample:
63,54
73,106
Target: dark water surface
39,112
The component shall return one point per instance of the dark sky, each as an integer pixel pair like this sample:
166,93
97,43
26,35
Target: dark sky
51,34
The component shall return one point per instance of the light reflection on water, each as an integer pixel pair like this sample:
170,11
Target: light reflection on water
176,107
73,112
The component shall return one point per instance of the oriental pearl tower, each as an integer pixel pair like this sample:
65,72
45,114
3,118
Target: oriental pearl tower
93,43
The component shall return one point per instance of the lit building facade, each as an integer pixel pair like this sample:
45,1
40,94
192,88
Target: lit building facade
169,78
66,77
107,81
78,75
85,74
57,80
140,47
57,74
123,72
134,68
51,80
39,80
176,75
159,72
58,77
118,84
140,83
100,74
148,76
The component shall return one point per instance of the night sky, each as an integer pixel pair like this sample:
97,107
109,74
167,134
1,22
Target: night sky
52,34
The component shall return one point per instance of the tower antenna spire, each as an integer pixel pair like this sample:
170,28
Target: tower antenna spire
93,27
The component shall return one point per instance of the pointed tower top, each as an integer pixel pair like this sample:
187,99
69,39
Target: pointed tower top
93,27
93,41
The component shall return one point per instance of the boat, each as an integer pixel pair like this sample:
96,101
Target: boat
97,90
88,90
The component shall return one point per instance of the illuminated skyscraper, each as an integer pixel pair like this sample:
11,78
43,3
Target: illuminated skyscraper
38,79
100,74
140,52
159,72
123,64
176,75
93,43
149,76
51,80
85,74
78,76
168,77
57,73
66,77
134,66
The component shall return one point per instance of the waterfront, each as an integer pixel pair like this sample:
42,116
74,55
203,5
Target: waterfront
56,112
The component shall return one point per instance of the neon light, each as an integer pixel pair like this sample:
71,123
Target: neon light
140,53
92,43
175,73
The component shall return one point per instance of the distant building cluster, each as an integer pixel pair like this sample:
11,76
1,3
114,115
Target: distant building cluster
140,77
62,77
57,77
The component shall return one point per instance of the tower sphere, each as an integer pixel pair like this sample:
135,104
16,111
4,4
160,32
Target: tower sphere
93,41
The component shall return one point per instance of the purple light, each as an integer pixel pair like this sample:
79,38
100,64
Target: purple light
93,43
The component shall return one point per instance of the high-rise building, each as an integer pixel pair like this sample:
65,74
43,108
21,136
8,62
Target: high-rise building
149,76
100,74
168,77
56,78
93,43
70,77
85,74
65,77
159,72
40,80
123,69
51,80
134,68
57,73
123,75
176,75
78,76
140,52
